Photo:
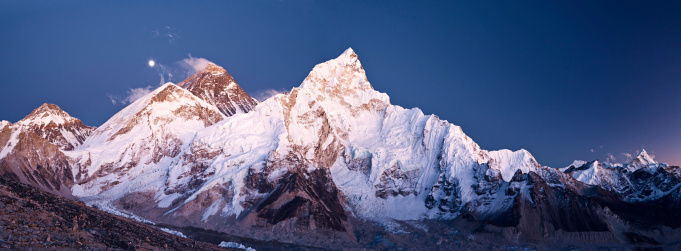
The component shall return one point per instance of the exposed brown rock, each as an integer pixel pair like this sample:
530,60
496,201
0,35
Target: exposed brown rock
217,87
34,160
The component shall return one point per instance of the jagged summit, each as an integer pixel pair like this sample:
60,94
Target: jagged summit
642,160
342,81
344,71
47,114
217,87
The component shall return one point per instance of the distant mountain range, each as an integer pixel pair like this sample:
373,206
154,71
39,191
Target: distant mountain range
333,164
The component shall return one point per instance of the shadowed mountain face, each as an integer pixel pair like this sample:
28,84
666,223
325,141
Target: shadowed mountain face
334,164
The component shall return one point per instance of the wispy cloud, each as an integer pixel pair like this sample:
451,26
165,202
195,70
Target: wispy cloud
262,95
167,32
611,158
193,65
628,157
166,72
592,150
132,95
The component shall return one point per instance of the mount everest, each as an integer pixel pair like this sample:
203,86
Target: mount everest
332,163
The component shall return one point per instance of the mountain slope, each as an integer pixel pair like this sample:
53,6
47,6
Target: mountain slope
32,218
137,139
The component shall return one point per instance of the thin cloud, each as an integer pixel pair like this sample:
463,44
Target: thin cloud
628,157
592,150
168,33
611,158
183,68
193,65
132,95
166,72
263,95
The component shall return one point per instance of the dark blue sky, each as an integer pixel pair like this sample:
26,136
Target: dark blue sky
564,80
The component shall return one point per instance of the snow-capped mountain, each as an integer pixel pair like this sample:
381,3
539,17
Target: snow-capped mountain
152,129
32,150
52,123
308,159
330,157
218,88
641,180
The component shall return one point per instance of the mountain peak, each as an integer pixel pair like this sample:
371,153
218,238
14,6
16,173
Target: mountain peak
47,114
349,52
214,69
48,106
215,86
644,158
342,79
58,127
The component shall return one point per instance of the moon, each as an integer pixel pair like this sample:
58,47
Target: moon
152,63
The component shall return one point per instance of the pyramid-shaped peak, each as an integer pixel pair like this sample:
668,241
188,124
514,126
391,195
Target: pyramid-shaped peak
45,114
643,157
345,71
215,86
58,127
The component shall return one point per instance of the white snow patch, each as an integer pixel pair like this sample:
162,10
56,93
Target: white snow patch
178,233
235,245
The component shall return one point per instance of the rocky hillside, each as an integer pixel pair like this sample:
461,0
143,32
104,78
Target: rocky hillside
31,218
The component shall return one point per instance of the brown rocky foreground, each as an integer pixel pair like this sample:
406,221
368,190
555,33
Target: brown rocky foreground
31,218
